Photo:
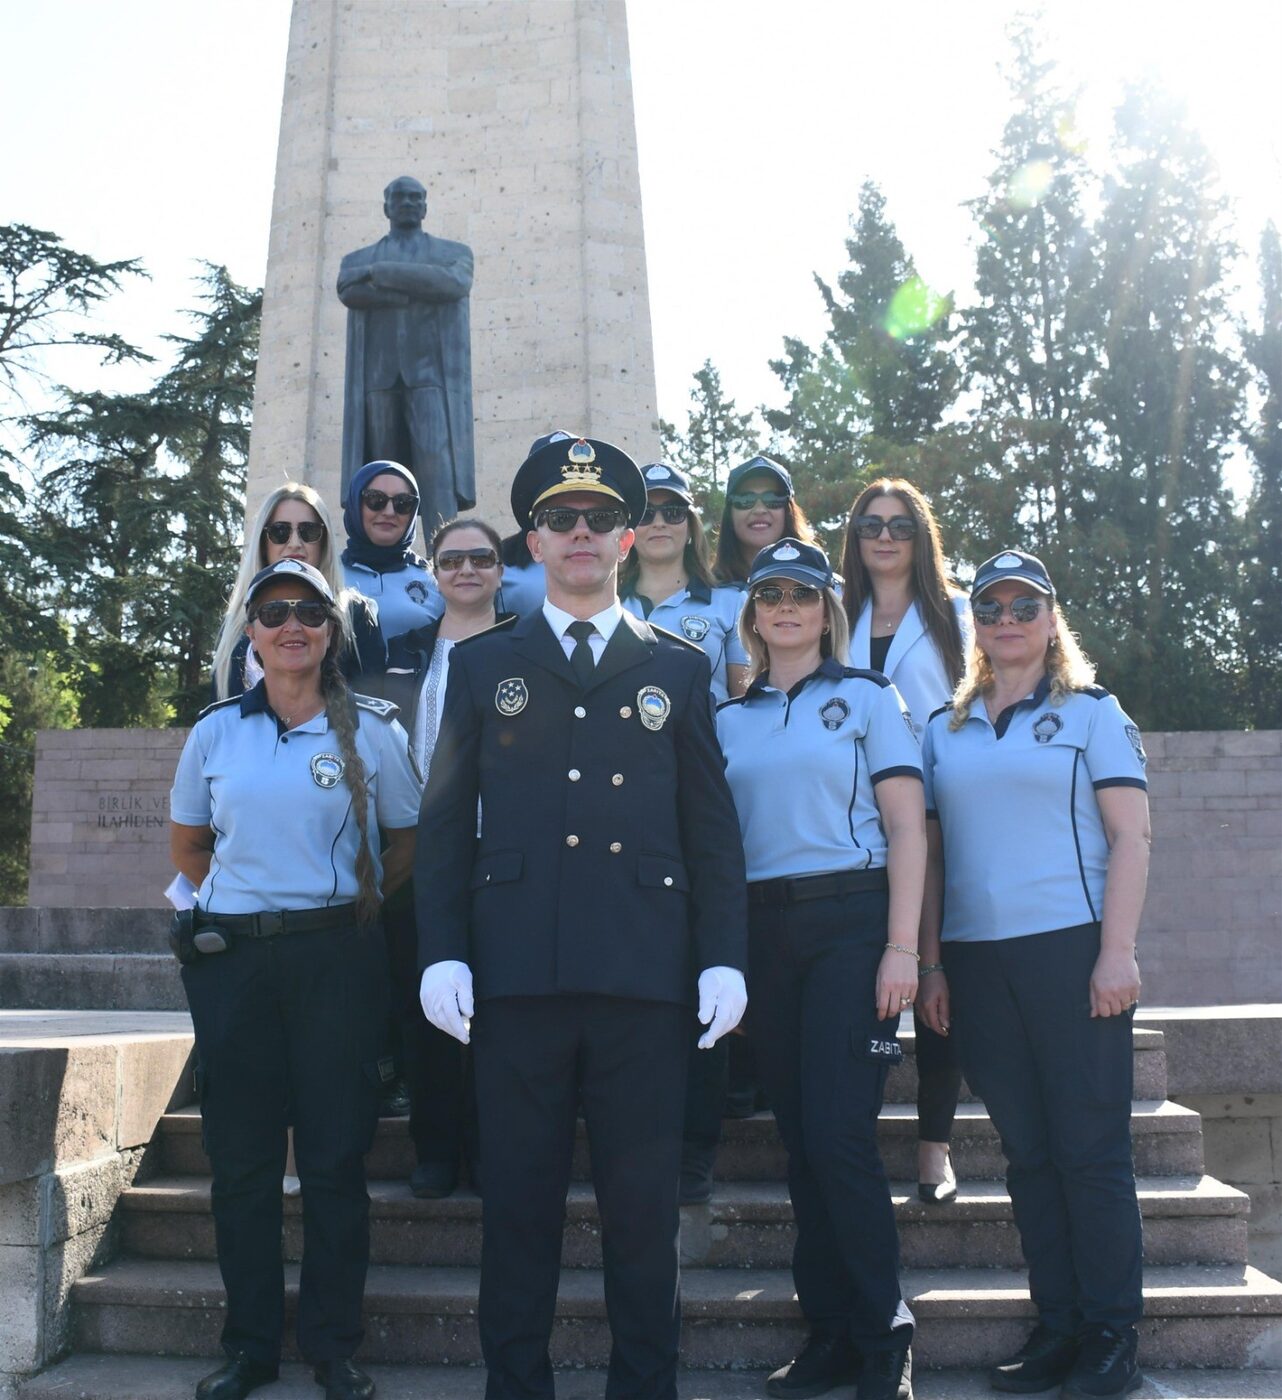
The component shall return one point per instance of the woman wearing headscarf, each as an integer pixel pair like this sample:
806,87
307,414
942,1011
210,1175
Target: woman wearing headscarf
380,514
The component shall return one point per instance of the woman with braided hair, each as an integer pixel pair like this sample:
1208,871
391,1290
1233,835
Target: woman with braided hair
276,808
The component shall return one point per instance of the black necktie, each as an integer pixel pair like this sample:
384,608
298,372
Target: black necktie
581,657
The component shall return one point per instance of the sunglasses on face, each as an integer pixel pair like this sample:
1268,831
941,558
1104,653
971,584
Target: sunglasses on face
988,614
745,500
450,560
403,503
770,595
869,527
279,531
674,513
307,610
562,519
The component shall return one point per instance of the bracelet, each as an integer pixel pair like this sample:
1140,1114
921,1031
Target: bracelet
899,948
930,967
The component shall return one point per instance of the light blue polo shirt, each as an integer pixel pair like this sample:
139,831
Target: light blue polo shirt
708,617
1023,841
405,598
523,589
802,768
285,836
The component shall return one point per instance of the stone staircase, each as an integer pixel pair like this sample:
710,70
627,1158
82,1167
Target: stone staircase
161,1295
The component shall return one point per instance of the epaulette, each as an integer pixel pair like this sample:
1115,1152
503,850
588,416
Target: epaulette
675,637
219,705
501,625
1096,692
944,707
385,709
858,673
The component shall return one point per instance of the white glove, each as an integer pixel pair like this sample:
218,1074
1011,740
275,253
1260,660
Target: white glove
445,994
723,999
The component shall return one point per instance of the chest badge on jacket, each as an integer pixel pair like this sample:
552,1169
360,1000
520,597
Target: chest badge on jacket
835,713
1047,727
512,696
653,706
327,769
695,627
417,590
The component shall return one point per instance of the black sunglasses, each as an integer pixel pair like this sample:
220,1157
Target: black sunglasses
562,519
449,560
309,612
988,614
869,527
770,595
279,531
675,512
745,500
403,503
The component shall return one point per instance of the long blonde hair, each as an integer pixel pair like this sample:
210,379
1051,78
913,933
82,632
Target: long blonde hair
835,642
1067,667
253,556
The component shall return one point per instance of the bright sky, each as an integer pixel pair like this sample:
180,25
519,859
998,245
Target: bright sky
148,128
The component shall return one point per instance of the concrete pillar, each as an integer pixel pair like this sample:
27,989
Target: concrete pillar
517,116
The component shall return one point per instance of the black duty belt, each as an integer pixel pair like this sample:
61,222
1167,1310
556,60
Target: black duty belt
271,923
792,890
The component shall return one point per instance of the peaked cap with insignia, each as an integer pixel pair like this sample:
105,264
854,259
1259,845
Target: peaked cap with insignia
577,465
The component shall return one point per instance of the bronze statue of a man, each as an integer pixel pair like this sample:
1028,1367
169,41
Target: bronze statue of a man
408,387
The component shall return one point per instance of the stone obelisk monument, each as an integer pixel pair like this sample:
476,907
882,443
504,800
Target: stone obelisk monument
517,116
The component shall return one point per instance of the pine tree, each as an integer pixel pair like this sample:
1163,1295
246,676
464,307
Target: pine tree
1261,577
1168,399
716,438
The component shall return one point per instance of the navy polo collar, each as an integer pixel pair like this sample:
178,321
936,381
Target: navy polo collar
255,702
829,668
1040,691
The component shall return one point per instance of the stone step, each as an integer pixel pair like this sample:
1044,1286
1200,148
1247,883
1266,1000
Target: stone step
1167,1142
103,1377
1187,1220
1205,1316
91,981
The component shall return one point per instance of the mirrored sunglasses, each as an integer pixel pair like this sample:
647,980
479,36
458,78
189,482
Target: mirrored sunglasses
770,595
745,500
987,613
450,560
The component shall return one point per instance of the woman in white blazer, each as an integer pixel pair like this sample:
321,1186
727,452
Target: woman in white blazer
908,622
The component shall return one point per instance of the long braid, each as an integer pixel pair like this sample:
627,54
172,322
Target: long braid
342,718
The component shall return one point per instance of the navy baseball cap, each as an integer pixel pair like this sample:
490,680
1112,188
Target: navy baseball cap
759,464
564,465
556,435
294,569
663,476
1012,564
805,563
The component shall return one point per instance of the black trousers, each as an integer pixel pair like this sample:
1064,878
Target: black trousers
535,1058
939,1080
823,1057
435,1066
1057,1085
706,1085
296,1019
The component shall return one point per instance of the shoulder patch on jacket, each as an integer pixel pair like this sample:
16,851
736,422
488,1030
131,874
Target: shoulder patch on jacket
376,706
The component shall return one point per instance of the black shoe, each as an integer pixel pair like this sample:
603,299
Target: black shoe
1043,1361
696,1174
937,1193
887,1375
236,1379
431,1181
394,1101
1105,1362
741,1102
343,1380
823,1364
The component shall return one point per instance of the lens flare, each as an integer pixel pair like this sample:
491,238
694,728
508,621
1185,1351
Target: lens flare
913,309
1029,183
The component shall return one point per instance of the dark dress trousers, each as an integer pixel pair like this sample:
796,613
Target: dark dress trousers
608,874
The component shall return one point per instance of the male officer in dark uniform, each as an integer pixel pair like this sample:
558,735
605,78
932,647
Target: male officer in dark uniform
607,883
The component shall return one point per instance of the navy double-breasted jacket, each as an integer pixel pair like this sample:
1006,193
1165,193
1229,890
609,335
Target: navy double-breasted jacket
609,860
